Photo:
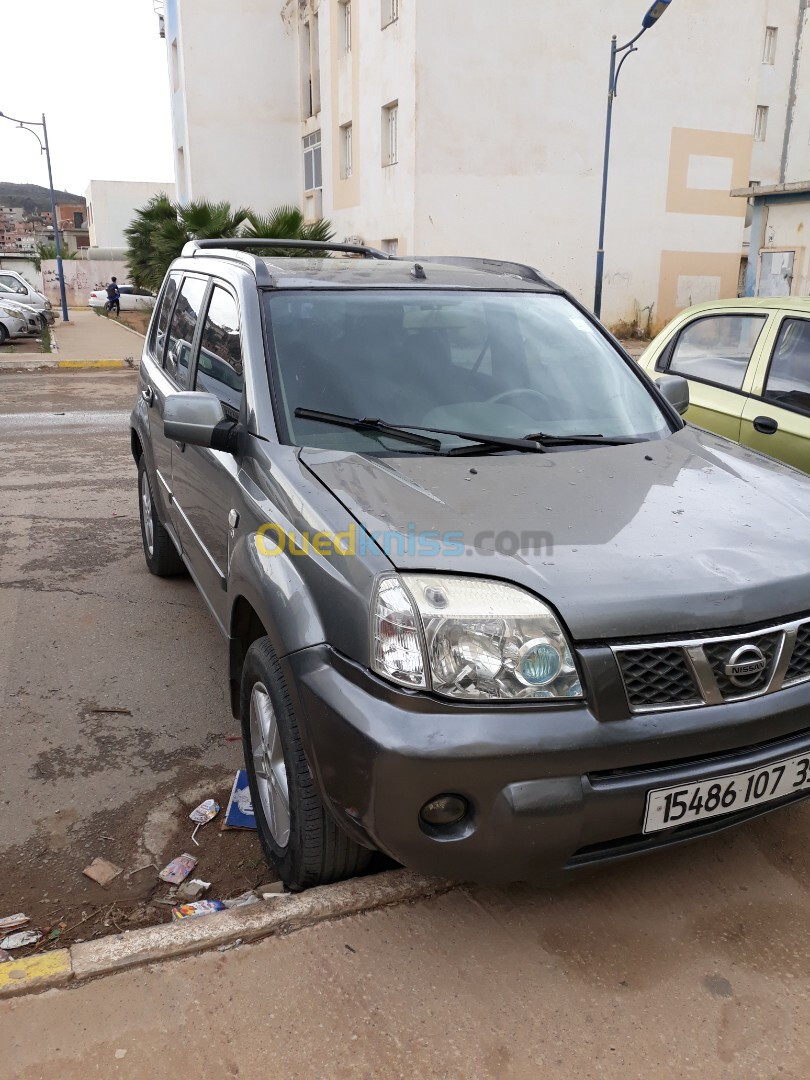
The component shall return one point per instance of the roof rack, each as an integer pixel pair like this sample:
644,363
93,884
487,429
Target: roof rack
237,242
488,266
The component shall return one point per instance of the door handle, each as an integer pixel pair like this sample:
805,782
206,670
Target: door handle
148,395
766,425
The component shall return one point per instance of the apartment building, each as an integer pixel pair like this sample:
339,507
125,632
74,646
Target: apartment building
111,206
467,127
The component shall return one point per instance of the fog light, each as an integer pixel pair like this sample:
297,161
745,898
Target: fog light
444,810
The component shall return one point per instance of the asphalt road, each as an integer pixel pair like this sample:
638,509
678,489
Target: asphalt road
114,721
693,961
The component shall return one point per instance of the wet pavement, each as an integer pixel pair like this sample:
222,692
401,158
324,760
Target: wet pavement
114,720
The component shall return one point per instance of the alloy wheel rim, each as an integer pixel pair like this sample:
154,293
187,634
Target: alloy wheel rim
146,513
268,765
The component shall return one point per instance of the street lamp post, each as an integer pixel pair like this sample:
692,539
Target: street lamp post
616,64
29,125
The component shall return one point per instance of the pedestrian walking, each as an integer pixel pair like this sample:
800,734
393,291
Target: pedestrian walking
113,297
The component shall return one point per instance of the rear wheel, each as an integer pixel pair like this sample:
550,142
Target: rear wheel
162,557
300,839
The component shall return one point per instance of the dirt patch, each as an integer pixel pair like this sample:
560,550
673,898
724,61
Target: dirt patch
47,883
135,320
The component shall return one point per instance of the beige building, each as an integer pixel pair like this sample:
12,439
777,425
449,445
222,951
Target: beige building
467,127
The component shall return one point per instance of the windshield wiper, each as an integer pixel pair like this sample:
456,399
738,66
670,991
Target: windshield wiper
369,423
583,440
408,434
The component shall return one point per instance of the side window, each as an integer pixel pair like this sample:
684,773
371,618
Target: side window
788,382
219,367
158,342
717,349
11,284
182,327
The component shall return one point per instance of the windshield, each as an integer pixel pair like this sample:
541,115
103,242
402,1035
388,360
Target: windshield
502,364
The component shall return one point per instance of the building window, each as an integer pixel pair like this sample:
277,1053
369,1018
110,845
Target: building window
390,12
761,124
313,177
346,151
306,71
769,52
345,27
390,247
316,63
175,67
390,149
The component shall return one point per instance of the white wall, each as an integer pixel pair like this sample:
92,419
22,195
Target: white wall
111,206
24,267
237,112
81,278
509,154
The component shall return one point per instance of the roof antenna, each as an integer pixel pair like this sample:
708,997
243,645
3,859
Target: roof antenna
418,272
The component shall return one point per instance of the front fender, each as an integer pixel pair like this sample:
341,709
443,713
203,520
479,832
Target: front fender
275,589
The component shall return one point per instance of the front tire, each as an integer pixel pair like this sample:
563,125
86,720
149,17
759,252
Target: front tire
162,557
3,334
300,839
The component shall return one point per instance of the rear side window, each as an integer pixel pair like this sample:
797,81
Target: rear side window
182,327
158,342
718,349
219,366
788,381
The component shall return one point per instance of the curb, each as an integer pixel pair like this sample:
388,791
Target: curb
34,363
282,915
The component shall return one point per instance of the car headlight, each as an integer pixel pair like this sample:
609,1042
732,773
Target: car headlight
15,312
470,638
48,304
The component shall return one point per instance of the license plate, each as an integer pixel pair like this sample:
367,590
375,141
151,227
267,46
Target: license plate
673,806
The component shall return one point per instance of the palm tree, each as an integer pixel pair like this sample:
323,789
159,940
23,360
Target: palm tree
286,223
146,266
160,229
48,251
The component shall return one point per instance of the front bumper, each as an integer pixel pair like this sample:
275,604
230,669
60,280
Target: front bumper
550,788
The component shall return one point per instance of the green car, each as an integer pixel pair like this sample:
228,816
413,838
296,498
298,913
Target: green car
748,366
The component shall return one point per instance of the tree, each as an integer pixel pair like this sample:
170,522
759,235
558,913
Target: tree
48,251
160,229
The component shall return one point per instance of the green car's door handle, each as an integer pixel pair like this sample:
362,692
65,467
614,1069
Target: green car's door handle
766,425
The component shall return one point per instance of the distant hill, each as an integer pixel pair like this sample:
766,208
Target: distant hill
33,197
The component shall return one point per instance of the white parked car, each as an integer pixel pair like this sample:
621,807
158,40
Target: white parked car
132,299
14,322
17,291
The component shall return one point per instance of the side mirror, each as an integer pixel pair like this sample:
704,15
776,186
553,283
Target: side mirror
197,419
676,390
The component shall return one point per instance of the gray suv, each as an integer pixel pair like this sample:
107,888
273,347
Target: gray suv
491,607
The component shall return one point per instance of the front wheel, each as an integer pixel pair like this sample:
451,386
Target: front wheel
3,334
162,557
300,839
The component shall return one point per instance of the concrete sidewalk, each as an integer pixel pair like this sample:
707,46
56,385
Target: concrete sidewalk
690,962
94,337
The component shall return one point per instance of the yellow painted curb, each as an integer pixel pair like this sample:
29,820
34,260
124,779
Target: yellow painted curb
35,973
90,363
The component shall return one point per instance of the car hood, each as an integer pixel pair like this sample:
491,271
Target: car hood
686,534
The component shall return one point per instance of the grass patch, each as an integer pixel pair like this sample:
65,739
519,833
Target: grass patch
45,339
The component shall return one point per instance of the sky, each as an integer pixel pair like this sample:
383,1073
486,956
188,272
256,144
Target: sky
99,73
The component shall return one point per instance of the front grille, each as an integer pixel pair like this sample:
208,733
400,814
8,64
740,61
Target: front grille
717,653
657,677
799,667
686,674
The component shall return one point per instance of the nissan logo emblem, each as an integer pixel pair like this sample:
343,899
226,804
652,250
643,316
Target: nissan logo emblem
745,666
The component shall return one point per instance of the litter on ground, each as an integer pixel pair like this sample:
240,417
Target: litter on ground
239,813
195,911
21,939
178,869
102,872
